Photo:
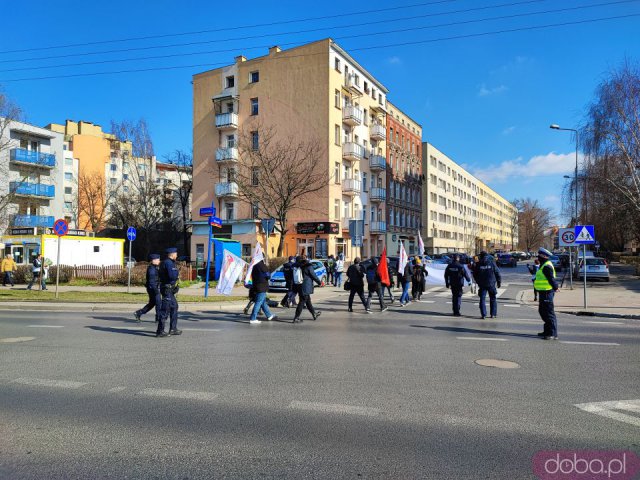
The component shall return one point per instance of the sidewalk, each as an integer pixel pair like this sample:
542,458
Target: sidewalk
619,298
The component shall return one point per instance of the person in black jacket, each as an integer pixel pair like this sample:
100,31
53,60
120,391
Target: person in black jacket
487,276
374,283
355,275
260,280
304,268
418,277
169,275
454,276
290,297
404,279
152,284
547,286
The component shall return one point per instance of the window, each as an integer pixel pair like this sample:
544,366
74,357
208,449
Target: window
126,189
231,81
67,205
336,99
229,210
114,167
366,117
142,178
336,209
68,161
231,141
337,64
255,141
125,176
69,176
255,174
254,106
336,172
366,87
255,210
337,135
68,190
254,77
113,181
246,249
364,182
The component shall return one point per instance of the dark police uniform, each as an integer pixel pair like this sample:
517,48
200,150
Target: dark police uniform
153,290
546,286
454,277
168,280
487,275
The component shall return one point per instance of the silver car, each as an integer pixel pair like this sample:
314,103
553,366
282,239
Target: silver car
596,268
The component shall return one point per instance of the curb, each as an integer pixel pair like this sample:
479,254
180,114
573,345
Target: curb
84,307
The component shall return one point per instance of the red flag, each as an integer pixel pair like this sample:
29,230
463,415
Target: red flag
383,269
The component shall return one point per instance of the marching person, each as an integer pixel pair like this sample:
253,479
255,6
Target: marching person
152,283
169,275
252,298
546,286
37,273
418,274
8,267
533,269
260,282
487,276
374,283
331,267
404,280
387,288
287,269
339,268
303,279
454,276
355,277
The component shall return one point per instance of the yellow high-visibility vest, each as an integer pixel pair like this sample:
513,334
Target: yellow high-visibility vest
541,284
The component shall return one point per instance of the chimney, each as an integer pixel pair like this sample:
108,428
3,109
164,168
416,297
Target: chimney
275,49
241,58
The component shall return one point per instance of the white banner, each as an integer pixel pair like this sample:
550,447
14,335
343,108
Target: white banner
257,256
232,267
436,273
420,245
403,260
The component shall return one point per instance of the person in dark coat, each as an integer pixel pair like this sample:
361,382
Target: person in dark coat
404,280
533,269
546,286
169,274
374,283
454,276
252,299
304,289
355,276
152,283
418,274
260,279
387,288
290,297
487,276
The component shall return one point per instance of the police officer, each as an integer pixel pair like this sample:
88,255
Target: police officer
454,276
487,276
153,288
168,289
287,269
546,286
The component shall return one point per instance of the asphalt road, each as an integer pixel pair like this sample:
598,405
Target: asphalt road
395,395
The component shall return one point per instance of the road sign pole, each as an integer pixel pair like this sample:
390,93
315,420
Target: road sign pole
206,284
129,268
57,267
570,270
584,273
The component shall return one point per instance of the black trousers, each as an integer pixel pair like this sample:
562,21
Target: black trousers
304,301
169,310
360,292
155,300
456,299
378,290
547,313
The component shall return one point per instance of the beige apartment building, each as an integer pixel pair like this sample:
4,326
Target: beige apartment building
462,213
315,91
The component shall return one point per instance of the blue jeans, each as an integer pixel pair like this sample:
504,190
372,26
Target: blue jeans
261,303
338,279
404,298
493,301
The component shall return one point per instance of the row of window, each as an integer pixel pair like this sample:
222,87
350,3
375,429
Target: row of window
254,77
354,78
402,219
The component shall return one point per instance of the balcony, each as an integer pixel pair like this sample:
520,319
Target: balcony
226,189
378,194
27,189
353,151
351,186
345,223
29,157
224,155
378,227
226,121
33,221
378,132
352,115
377,163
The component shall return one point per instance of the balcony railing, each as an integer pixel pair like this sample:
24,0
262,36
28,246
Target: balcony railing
32,189
377,162
226,189
22,155
352,115
378,194
33,221
227,155
351,186
226,120
378,227
353,151
378,132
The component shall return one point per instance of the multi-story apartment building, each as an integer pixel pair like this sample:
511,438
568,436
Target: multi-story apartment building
404,181
314,91
70,187
462,213
31,176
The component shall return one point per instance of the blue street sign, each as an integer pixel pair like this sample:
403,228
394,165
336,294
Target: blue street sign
268,224
131,233
215,222
356,232
207,212
584,235
61,227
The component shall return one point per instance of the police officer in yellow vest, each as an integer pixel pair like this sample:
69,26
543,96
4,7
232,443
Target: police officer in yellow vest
546,286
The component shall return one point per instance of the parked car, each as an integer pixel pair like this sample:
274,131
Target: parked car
506,260
596,268
277,283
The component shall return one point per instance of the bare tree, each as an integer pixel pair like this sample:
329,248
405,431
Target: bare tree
277,175
184,163
533,220
513,224
94,197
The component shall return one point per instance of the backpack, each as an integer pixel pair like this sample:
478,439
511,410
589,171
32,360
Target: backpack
371,275
297,276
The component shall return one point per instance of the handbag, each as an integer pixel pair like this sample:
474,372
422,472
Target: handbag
347,285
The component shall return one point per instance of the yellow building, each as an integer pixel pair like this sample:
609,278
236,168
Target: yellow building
314,91
462,213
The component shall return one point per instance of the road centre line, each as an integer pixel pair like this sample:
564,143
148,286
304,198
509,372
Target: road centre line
188,329
335,408
183,394
41,382
46,326
591,343
606,323
483,339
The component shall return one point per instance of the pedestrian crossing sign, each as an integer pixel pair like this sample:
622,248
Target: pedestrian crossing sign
584,235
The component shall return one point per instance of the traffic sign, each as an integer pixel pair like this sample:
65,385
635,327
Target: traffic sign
585,235
566,237
131,234
215,222
207,212
268,224
61,227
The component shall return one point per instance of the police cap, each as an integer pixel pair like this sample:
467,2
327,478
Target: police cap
171,250
154,256
543,252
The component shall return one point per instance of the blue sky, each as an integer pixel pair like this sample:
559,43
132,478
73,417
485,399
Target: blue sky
486,101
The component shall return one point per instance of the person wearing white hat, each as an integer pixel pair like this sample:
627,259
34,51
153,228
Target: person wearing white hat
546,286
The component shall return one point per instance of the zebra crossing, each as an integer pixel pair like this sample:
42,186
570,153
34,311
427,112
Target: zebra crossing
445,292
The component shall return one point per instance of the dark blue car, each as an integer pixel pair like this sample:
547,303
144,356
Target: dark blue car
277,283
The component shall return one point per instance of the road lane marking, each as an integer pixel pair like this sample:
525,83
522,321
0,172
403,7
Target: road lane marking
41,382
335,408
512,305
483,339
46,326
608,410
591,343
607,323
183,394
16,339
201,329
116,389
128,328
